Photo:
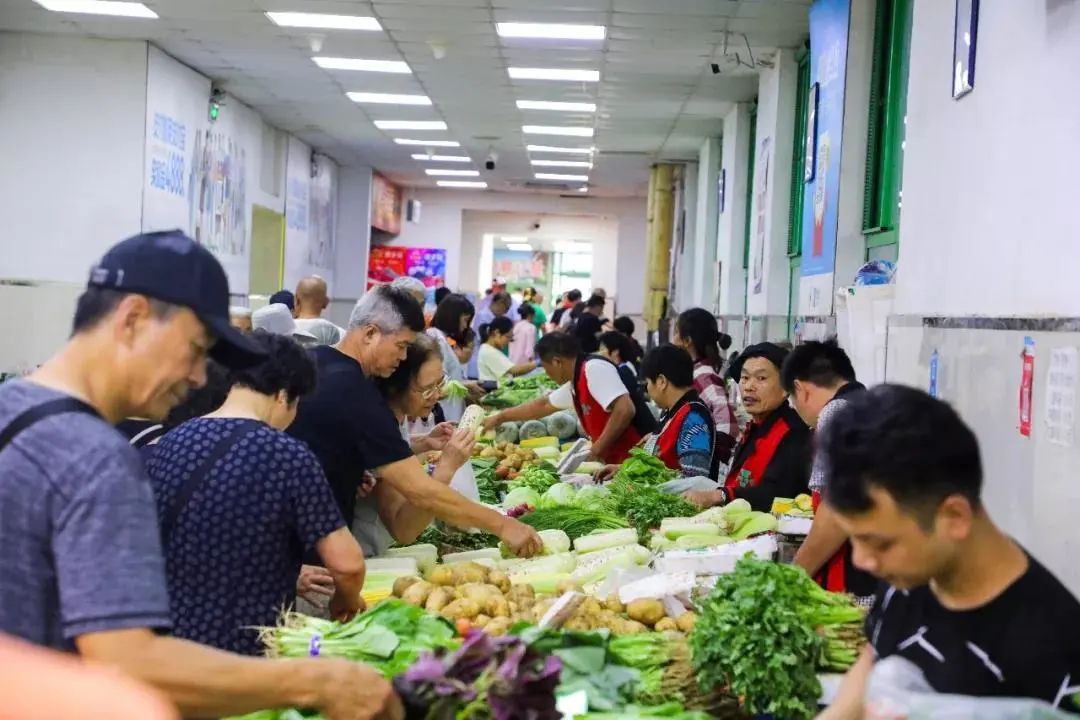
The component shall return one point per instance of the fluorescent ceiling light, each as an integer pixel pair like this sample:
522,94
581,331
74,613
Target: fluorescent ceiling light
383,66
451,173
557,130
520,73
462,183
560,106
442,158
553,31
410,124
562,163
388,98
99,7
560,176
428,143
567,150
520,247
324,20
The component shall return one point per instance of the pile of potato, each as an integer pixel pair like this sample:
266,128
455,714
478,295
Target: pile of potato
511,458
473,596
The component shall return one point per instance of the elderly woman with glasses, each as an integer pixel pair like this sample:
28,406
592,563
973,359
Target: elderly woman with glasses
383,516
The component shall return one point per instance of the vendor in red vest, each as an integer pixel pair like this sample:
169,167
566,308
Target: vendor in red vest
821,380
686,441
614,416
772,457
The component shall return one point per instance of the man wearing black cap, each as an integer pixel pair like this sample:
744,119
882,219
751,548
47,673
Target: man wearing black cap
772,458
83,565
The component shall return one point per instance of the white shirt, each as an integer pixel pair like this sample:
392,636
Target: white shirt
492,365
603,381
325,332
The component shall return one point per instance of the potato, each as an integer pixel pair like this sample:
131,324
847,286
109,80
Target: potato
464,608
565,586
402,584
439,598
646,611
614,604
489,452
666,625
578,624
521,592
469,572
441,575
500,580
686,622
417,593
481,621
630,627
500,608
487,597
591,606
498,626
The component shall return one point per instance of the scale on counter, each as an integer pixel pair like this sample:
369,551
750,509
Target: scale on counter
577,454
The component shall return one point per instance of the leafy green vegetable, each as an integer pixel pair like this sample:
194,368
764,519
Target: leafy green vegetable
645,506
644,468
451,540
521,496
517,392
756,633
574,521
488,485
559,494
455,390
540,477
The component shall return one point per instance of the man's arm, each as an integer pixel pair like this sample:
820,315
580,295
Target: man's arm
849,701
342,556
825,540
208,683
622,414
538,408
408,478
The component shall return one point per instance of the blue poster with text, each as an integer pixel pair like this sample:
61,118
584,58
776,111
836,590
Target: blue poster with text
828,65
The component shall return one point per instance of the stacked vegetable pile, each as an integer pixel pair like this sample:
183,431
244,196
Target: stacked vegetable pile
511,393
712,528
509,459
762,633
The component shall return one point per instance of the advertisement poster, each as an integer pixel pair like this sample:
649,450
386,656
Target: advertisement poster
828,68
385,205
1061,396
761,213
522,269
386,263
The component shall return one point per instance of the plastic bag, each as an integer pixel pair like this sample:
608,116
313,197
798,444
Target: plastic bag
678,486
875,272
898,690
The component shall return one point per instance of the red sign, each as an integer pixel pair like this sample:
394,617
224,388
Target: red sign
1027,378
385,205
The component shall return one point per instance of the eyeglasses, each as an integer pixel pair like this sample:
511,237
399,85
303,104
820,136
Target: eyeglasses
433,391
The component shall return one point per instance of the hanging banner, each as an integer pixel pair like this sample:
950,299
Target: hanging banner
762,171
385,205
828,67
1027,381
386,263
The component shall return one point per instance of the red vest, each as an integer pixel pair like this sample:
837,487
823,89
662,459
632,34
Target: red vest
594,418
755,451
667,440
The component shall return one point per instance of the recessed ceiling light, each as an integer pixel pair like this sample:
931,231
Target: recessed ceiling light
435,172
562,163
519,247
428,143
520,73
410,124
462,183
553,31
567,150
324,20
557,130
99,7
388,98
442,158
383,66
560,106
560,176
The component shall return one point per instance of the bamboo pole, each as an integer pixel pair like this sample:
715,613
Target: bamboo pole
660,224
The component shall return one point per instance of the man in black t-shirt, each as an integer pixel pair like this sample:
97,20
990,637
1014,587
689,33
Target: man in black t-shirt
348,425
961,600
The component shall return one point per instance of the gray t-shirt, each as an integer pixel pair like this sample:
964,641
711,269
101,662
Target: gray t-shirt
78,528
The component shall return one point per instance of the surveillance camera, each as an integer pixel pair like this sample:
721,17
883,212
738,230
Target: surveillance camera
715,69
536,226
492,158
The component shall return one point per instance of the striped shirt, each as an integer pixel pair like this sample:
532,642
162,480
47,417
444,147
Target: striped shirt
712,390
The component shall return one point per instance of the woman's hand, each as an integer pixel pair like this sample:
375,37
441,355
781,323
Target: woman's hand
315,584
705,498
367,485
605,473
458,450
439,436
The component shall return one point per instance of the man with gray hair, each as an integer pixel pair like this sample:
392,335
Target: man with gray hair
312,298
347,423
412,286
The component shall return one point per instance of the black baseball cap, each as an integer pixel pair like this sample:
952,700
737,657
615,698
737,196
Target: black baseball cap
171,267
770,351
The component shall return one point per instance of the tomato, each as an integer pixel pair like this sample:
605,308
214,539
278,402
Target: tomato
463,626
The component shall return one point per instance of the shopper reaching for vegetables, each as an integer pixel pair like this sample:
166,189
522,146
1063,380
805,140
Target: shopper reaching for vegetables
350,427
493,365
614,415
